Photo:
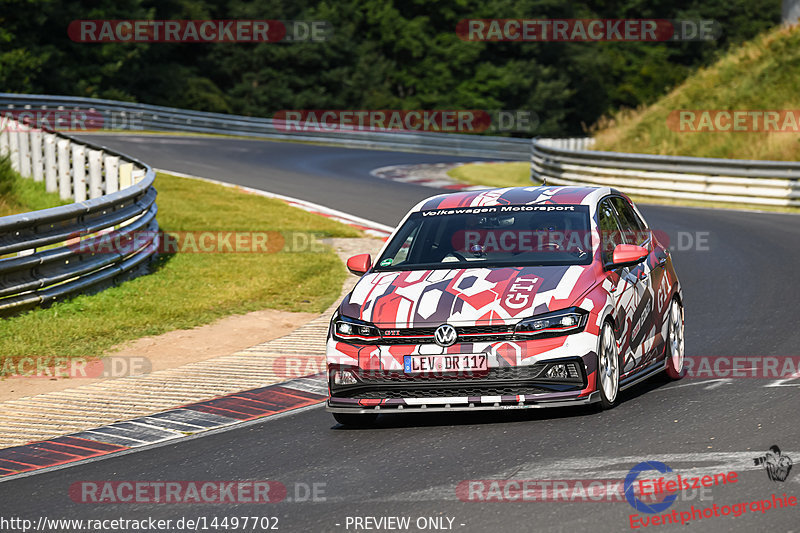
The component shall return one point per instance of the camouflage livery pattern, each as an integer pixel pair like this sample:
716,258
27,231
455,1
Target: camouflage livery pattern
504,296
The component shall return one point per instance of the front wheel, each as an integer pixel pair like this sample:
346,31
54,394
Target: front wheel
358,420
675,350
608,368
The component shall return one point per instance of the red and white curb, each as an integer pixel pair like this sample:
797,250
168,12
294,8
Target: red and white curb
369,227
432,175
168,425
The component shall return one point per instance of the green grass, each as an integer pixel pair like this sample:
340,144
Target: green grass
18,194
191,289
760,75
517,174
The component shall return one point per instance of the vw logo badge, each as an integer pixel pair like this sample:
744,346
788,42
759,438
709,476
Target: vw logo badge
445,335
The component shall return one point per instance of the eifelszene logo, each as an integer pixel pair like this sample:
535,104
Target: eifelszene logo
630,494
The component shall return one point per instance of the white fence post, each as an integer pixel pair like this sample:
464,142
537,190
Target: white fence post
137,175
13,143
64,177
24,151
5,126
50,166
112,173
36,155
95,173
125,175
79,172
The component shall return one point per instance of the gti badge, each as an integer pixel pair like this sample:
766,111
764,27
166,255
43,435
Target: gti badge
445,335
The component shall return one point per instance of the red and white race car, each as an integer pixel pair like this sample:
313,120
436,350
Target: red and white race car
506,298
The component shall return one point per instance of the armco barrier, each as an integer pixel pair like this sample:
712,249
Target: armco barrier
130,116
570,162
39,259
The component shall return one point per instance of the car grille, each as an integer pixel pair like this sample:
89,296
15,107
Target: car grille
445,392
499,373
497,381
465,334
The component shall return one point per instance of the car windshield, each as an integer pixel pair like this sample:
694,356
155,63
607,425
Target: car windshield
495,236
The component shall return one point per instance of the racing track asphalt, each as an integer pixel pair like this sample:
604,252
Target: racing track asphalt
741,300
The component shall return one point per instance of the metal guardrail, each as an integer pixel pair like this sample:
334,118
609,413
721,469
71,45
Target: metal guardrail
570,162
48,254
131,116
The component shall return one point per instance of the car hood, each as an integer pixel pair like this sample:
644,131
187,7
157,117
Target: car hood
465,297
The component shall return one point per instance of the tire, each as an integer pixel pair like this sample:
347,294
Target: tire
355,419
608,367
675,341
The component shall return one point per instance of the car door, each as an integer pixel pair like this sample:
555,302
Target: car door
645,320
624,283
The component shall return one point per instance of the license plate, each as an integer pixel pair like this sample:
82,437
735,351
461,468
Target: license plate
445,363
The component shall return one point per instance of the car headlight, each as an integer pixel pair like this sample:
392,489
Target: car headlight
557,323
350,329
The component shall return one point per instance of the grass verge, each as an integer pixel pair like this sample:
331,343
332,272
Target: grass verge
518,175
191,289
760,75
18,194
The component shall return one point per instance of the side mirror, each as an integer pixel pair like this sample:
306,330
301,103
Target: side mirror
628,255
359,264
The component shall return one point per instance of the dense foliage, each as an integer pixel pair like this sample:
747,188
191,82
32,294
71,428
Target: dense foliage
384,54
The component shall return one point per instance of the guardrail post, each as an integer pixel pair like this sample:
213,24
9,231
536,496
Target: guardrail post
79,172
95,173
137,175
36,155
50,166
4,128
112,173
125,175
64,177
24,151
13,144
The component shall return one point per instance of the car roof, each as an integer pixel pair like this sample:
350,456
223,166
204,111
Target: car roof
556,195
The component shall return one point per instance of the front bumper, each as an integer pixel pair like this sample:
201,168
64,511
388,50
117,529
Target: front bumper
517,376
508,387
429,405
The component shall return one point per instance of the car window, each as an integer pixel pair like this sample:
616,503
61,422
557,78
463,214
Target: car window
401,254
491,236
634,231
610,231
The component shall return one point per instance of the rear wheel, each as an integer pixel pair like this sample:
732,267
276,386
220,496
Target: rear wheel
675,351
358,420
608,367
